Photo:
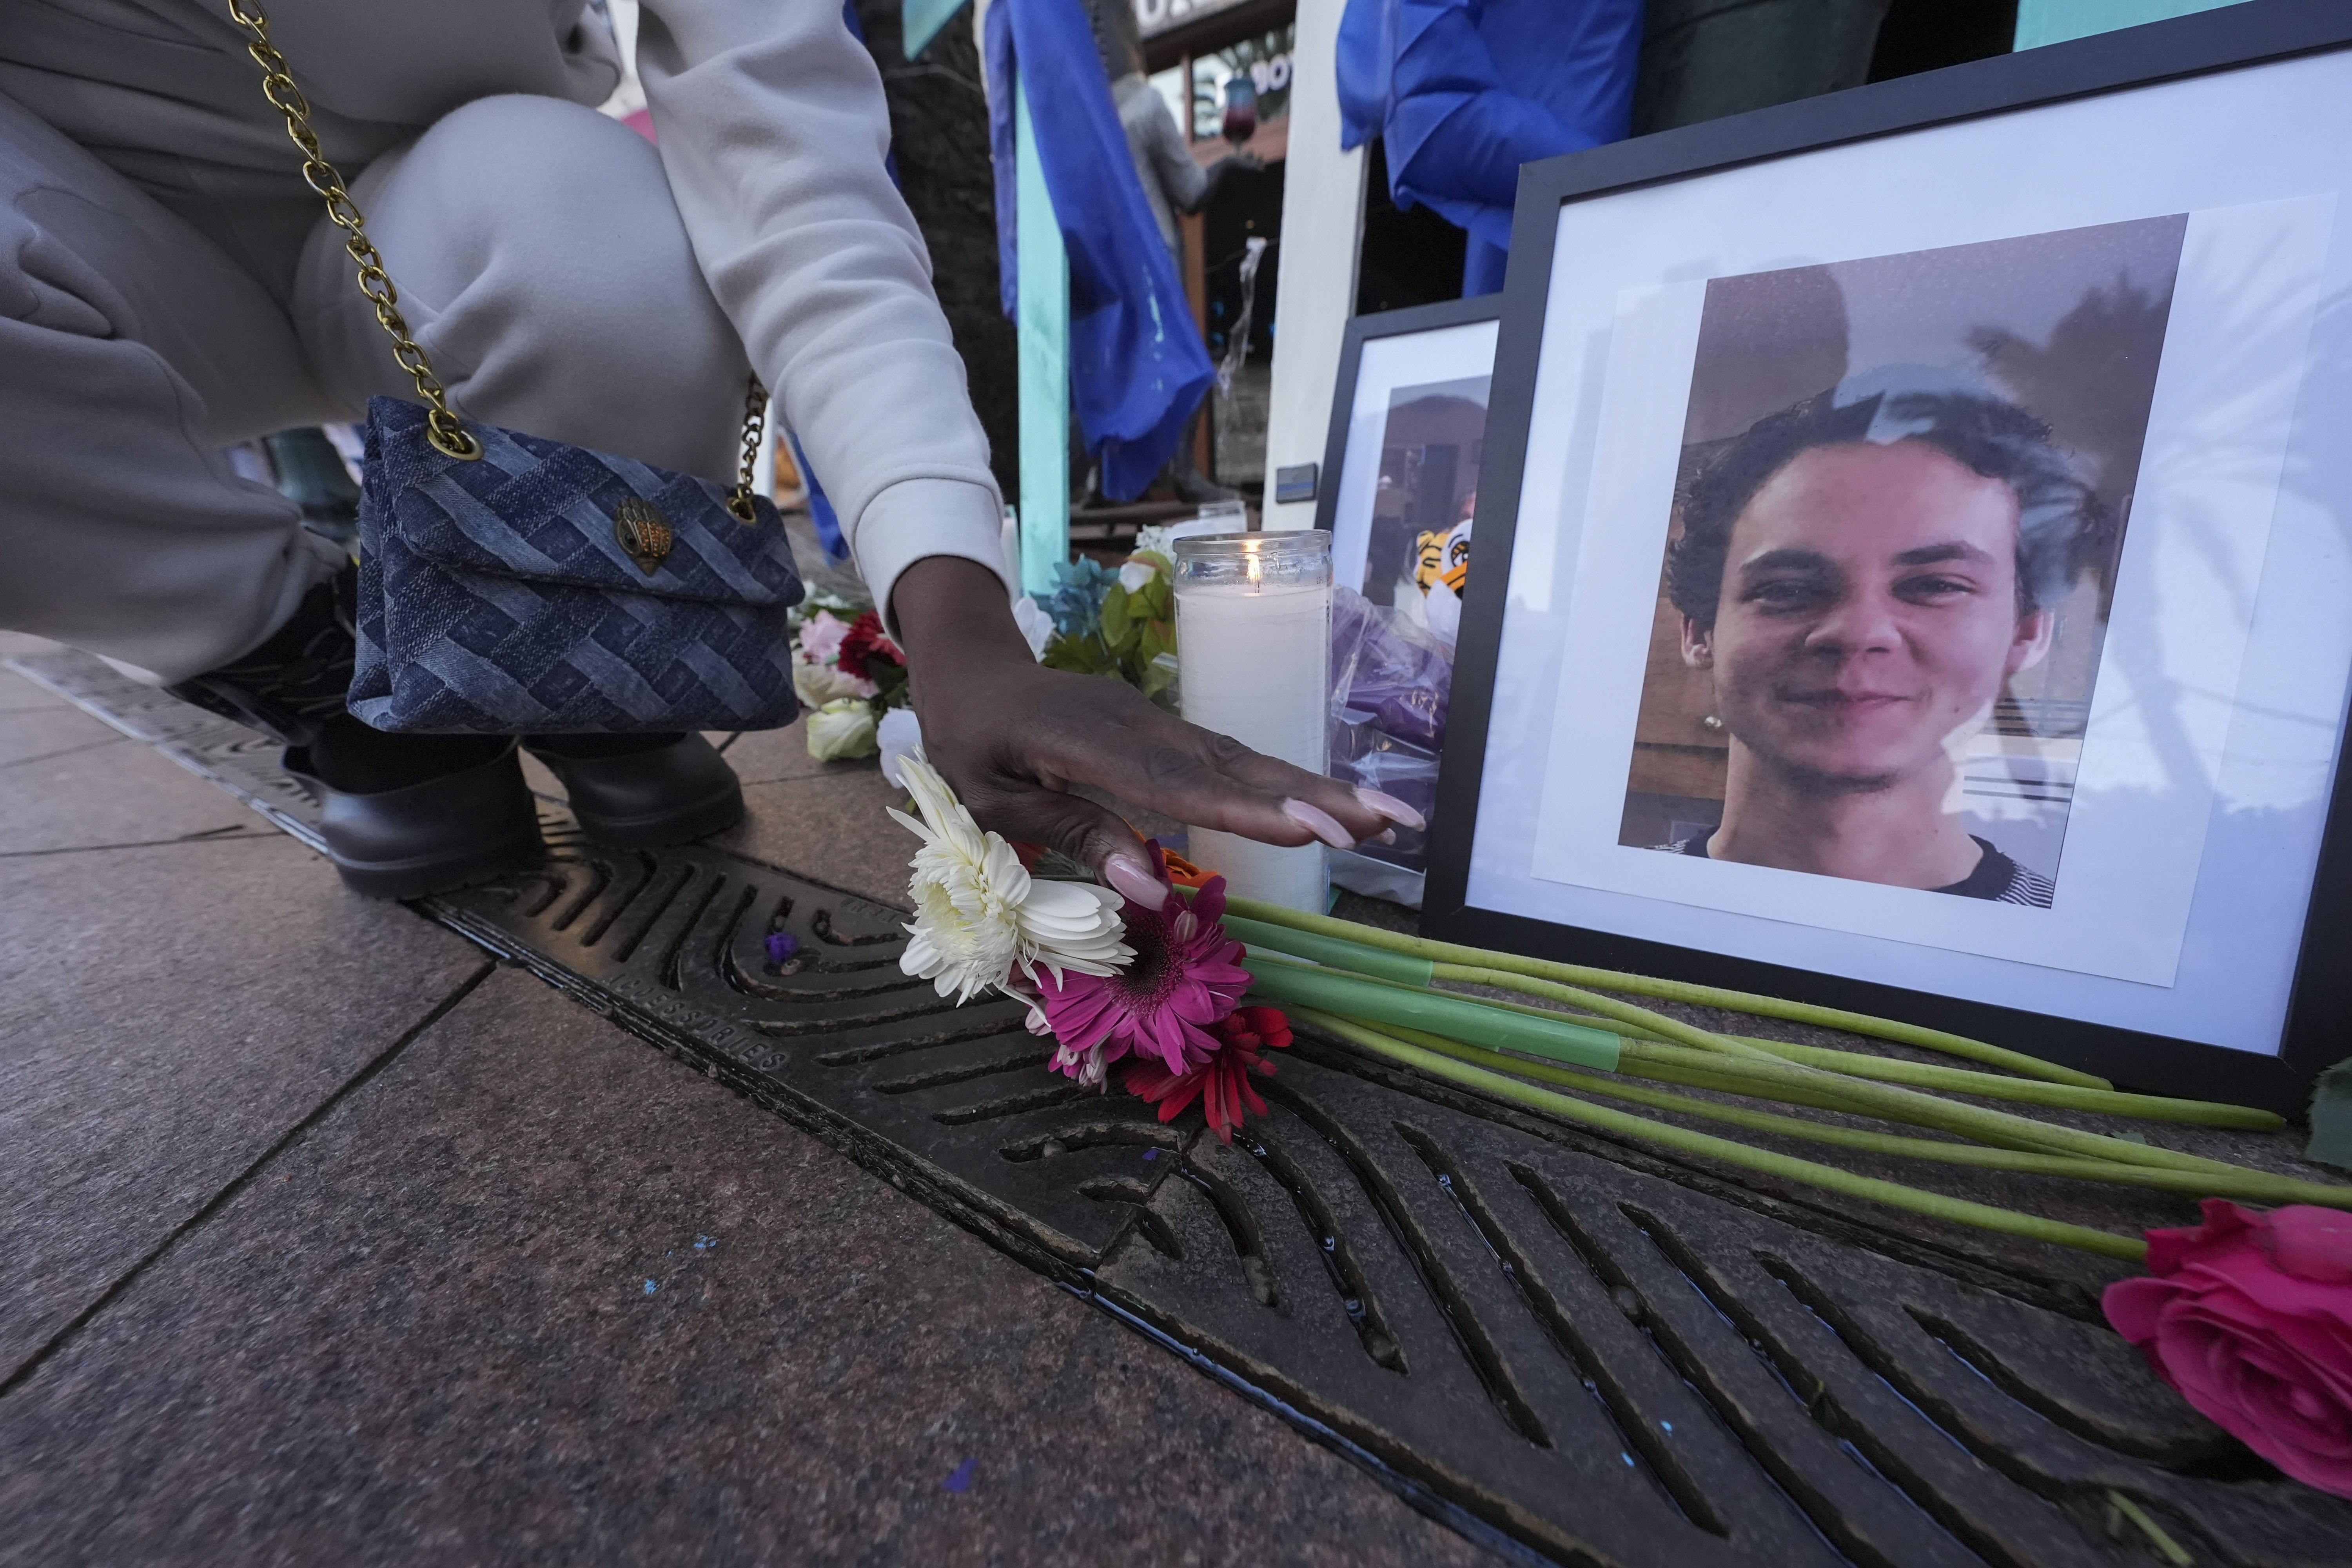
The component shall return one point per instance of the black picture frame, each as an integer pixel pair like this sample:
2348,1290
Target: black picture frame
2319,1028
1362,330
1400,878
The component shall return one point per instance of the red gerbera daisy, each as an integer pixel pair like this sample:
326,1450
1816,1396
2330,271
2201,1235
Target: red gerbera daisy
1222,1081
865,640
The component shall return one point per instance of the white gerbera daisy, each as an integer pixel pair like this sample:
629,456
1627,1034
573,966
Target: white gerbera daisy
981,918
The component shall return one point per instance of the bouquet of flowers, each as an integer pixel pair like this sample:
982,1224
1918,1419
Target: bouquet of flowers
1107,978
2249,1316
1121,623
849,674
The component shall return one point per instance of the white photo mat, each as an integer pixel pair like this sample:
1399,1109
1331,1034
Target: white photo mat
1385,366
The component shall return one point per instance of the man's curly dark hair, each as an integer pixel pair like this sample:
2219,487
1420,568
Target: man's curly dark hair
2063,530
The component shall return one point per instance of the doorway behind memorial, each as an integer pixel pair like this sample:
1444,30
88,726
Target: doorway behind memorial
1224,68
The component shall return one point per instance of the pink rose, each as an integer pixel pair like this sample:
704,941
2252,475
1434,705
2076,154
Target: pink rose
2249,1317
820,637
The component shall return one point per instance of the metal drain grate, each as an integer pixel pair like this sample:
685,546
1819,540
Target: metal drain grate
1568,1351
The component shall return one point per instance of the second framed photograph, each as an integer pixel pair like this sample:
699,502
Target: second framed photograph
1916,578
1400,484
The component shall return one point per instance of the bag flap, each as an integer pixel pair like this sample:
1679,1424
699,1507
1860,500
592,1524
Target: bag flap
546,512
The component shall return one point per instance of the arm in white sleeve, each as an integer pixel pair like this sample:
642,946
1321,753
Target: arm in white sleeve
773,129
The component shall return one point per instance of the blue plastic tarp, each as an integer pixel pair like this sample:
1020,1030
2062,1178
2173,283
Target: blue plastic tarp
1137,369
1462,92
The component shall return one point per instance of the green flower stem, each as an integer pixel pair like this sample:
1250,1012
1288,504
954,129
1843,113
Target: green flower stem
1853,1063
1334,952
1893,1194
1925,1075
1701,1077
1507,1026
2170,1550
1457,1017
1724,1084
2248,1186
2027,1092
1930,1111
1667,990
1401,969
1727,1081
1656,1024
1764,1077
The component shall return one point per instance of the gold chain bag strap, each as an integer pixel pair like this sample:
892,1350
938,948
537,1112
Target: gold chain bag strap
512,585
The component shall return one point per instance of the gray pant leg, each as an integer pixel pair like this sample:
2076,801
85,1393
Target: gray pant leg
542,266
132,350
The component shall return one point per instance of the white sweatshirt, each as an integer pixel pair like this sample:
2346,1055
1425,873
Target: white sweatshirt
772,129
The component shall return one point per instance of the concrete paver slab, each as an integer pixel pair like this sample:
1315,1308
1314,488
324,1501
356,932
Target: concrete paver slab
33,734
770,756
18,695
108,794
831,830
537,1294
170,1012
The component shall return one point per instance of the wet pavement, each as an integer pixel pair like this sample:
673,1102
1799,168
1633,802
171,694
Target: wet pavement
329,1241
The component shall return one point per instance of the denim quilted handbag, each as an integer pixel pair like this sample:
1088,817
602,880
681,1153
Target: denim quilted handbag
512,586
543,588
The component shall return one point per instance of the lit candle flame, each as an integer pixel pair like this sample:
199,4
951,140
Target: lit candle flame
1249,555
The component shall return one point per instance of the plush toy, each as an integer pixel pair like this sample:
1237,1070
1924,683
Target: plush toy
1440,570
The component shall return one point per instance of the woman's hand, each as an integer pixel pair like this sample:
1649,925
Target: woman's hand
1011,737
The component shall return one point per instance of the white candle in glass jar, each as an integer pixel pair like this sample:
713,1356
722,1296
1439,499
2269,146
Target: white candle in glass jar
1254,642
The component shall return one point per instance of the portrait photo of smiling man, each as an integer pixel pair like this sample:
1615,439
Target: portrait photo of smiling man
1904,485
1862,574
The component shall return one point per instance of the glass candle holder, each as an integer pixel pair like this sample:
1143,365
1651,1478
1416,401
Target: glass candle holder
1253,646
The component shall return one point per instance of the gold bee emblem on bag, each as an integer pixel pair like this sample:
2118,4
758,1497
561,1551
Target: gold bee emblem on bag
642,533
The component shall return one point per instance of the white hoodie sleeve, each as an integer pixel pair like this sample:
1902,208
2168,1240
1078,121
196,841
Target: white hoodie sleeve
773,129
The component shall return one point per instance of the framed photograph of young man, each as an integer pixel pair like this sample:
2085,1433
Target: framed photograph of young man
1916,552
1400,482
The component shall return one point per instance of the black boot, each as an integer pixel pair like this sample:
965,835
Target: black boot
641,792
404,814
411,814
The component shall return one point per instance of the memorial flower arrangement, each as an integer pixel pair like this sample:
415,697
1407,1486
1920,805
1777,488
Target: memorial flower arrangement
849,674
1121,623
2248,1315
1107,978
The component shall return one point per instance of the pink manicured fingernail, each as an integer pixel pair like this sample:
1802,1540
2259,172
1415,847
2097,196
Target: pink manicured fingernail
1390,806
1126,874
1318,822
1385,836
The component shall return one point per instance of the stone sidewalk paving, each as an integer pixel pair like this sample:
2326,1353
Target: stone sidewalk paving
327,1240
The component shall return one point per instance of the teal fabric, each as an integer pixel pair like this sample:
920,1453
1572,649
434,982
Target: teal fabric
919,22
2041,22
1137,369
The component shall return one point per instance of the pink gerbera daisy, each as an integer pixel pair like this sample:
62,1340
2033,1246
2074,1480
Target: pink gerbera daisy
1186,976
